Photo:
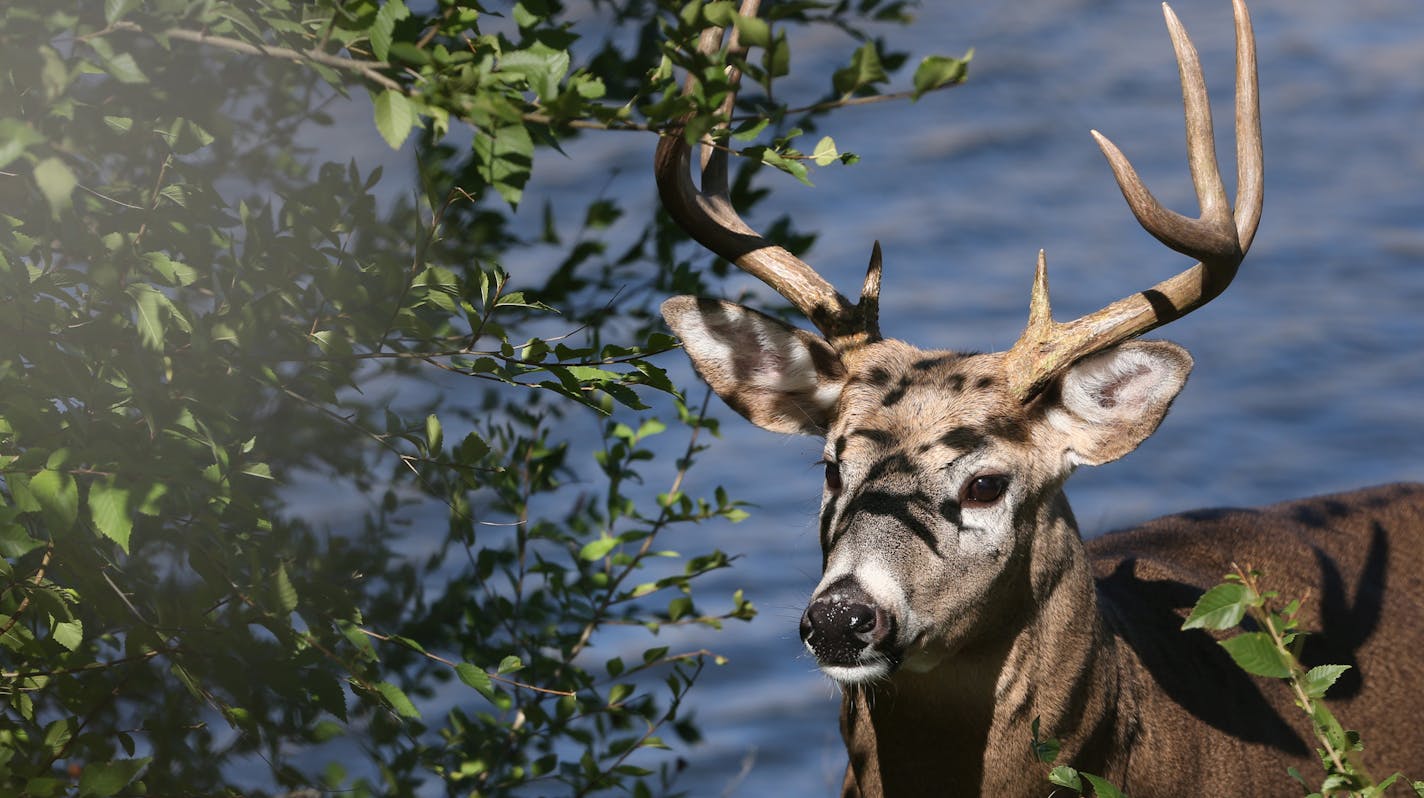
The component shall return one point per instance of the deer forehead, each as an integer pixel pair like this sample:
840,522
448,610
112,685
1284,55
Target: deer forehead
928,399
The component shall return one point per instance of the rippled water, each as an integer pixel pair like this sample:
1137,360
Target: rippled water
1309,373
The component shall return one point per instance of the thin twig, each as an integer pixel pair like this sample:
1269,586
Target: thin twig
93,666
35,580
368,70
496,677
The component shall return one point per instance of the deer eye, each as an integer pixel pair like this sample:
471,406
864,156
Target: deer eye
983,490
833,476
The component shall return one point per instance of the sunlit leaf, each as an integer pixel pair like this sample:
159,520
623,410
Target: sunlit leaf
475,677
1254,653
58,497
56,182
394,117
1222,607
397,700
102,779
1320,678
937,71
69,633
110,511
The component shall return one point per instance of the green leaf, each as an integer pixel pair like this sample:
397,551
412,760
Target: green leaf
476,678
510,664
56,182
1103,788
58,497
776,59
793,167
865,69
720,12
58,733
1254,653
597,549
504,159
434,437
825,152
1321,677
124,68
1222,607
149,306
936,71
69,633
618,693
593,374
283,590
109,510
115,10
178,274
15,541
394,117
1065,776
541,67
397,700
408,52
383,28
752,31
15,138
102,779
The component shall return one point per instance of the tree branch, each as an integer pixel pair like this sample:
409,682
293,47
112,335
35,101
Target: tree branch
368,70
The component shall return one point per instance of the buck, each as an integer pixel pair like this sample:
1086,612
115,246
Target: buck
958,602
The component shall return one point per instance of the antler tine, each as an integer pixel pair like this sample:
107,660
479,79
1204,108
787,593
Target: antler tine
1219,239
709,217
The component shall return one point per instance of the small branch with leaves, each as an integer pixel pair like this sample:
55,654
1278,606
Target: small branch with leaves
1273,651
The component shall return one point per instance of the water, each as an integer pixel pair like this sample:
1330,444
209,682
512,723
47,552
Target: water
1309,369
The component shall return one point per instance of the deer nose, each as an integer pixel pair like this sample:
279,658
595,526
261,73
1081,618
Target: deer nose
842,622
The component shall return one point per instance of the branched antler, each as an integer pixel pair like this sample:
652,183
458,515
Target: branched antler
1219,239
708,216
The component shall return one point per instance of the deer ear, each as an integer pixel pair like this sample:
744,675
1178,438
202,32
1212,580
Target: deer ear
781,378
1110,402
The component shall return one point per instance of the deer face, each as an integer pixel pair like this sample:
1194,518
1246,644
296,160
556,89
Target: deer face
938,478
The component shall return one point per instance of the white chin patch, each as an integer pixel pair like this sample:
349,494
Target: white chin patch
857,674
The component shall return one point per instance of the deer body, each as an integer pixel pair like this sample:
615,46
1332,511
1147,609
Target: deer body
958,603
1158,711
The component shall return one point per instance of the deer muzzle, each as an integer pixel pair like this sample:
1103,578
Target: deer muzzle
851,636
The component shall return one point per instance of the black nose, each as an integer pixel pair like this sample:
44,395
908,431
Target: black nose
841,622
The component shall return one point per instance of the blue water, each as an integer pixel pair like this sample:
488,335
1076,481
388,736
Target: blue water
1309,373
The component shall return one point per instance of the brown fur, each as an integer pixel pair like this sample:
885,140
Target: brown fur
1159,711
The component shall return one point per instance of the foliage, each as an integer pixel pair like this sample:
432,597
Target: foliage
1046,750
213,341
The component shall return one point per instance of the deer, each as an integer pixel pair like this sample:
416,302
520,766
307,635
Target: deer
959,606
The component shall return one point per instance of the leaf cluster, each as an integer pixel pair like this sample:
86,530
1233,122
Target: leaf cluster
1274,652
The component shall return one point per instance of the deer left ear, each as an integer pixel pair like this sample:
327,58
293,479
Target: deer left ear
780,378
1111,402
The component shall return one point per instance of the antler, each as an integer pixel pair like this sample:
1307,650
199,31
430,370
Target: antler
1219,239
708,216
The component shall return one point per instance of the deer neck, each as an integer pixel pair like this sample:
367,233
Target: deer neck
965,724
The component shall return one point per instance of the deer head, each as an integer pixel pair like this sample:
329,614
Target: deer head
944,470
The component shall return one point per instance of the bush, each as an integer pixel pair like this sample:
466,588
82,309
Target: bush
209,335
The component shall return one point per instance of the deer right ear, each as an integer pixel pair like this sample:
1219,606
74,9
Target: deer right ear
780,378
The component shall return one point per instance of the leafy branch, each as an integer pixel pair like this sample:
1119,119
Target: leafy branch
1273,651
